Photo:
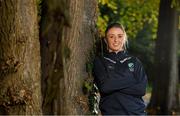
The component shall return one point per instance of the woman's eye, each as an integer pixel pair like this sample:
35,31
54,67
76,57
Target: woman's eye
120,36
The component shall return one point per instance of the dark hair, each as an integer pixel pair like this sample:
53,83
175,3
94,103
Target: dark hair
117,25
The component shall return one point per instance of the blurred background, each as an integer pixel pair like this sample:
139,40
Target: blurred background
47,48
150,30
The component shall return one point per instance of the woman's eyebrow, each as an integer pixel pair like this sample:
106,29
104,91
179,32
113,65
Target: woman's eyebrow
111,34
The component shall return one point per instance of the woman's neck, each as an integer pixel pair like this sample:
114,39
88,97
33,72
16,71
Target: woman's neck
116,51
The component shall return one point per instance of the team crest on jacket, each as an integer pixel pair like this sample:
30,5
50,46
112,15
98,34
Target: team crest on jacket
131,66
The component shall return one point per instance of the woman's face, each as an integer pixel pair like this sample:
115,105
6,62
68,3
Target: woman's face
115,39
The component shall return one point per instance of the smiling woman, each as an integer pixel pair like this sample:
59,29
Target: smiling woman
116,38
119,76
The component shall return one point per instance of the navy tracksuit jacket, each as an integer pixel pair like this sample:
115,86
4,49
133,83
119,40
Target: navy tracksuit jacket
122,82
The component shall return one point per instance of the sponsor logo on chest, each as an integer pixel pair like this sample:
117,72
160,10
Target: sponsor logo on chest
131,66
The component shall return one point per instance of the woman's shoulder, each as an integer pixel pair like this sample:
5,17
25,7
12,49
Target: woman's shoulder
135,59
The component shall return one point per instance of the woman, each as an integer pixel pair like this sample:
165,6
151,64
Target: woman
119,76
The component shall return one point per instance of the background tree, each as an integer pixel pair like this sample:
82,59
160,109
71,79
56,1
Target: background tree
19,58
165,95
67,33
54,17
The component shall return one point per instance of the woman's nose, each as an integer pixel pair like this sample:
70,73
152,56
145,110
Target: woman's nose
115,39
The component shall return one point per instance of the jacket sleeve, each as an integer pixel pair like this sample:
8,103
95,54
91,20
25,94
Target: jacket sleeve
107,84
139,88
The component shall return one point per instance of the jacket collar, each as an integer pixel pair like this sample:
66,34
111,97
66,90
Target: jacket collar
116,56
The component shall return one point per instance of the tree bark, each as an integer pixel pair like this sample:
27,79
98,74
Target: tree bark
165,94
19,58
79,43
55,16
67,33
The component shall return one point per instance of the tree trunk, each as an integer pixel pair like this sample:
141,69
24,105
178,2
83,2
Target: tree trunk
165,93
67,34
55,16
78,43
19,58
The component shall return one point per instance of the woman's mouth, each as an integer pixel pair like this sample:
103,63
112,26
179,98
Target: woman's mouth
115,44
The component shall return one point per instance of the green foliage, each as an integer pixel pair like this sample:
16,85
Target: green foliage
104,1
149,88
133,14
176,4
89,66
87,86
